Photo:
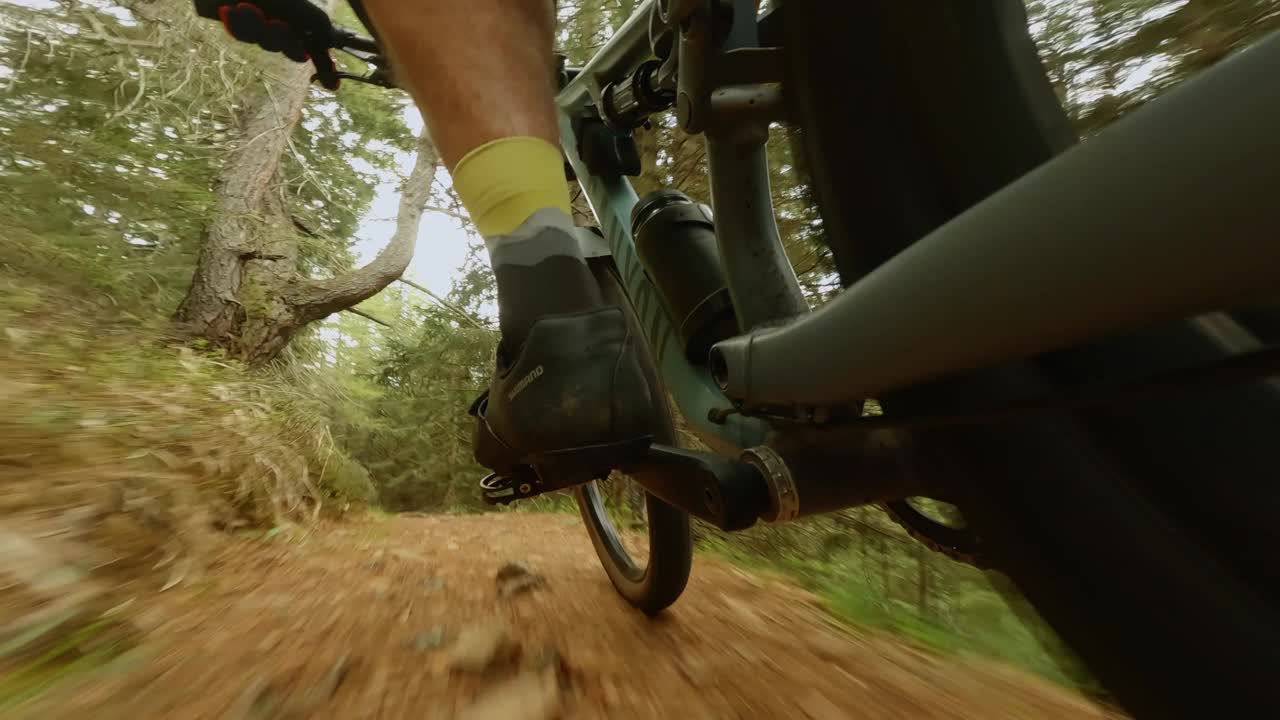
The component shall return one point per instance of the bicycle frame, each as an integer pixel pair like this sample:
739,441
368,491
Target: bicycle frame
1169,213
695,390
762,293
1032,269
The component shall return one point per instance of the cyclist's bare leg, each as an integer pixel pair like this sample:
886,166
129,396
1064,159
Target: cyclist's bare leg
482,73
480,70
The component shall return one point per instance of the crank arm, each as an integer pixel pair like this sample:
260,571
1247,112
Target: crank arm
730,494
780,485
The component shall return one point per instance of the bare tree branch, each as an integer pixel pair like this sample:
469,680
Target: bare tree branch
370,317
316,299
448,211
22,66
447,305
137,98
302,227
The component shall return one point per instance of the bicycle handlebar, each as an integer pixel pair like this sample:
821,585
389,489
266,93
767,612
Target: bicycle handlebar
366,50
344,39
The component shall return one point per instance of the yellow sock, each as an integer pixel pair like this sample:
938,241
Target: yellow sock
505,181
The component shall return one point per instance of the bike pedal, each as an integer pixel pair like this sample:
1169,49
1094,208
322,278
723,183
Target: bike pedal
563,469
506,489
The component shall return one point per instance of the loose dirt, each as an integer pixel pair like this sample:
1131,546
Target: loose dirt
407,618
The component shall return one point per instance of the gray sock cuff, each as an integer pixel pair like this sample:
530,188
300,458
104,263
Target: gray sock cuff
547,232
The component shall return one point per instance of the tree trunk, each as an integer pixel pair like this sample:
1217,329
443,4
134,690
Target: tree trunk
246,256
247,295
884,569
922,580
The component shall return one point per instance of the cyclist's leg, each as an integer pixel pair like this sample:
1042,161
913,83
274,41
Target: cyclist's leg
482,72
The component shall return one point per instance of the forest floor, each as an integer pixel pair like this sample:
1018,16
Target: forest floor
403,617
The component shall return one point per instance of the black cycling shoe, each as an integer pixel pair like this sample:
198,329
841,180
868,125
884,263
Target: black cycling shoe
572,405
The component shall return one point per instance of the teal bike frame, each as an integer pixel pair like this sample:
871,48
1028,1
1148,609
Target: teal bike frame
695,390
1096,242
763,292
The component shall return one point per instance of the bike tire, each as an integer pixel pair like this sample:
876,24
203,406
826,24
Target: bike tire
1134,532
654,585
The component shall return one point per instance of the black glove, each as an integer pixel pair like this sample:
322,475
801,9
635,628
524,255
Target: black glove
295,28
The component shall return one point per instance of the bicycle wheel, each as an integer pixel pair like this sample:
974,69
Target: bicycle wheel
647,551
1139,533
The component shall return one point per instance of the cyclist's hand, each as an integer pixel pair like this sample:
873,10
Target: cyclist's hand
296,28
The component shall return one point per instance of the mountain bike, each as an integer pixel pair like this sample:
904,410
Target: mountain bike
1071,342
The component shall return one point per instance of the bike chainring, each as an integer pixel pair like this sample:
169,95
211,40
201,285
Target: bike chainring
959,544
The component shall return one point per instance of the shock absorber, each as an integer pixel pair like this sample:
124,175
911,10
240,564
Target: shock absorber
627,104
676,240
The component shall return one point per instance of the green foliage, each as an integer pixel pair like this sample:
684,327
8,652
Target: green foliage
83,159
428,378
1108,57
347,478
91,648
395,399
342,149
872,574
93,393
115,121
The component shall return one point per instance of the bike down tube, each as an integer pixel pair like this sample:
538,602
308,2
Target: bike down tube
1169,213
696,392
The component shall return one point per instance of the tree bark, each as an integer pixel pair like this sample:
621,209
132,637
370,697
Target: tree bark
884,569
247,295
234,255
922,580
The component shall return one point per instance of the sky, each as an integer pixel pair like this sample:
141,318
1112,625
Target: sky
442,239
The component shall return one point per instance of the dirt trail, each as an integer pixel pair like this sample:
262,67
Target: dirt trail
356,621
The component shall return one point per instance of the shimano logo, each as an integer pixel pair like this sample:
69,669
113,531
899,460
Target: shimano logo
525,382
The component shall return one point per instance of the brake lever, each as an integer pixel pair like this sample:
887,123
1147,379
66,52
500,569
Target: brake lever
365,50
343,39
379,77
362,56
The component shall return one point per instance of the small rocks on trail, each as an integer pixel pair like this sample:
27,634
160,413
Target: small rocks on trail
268,700
432,639
479,648
527,696
514,578
375,564
51,611
260,701
408,556
379,587
293,633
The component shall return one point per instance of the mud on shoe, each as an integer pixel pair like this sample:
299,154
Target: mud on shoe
571,405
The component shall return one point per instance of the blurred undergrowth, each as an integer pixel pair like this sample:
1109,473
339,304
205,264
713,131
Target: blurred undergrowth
870,574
